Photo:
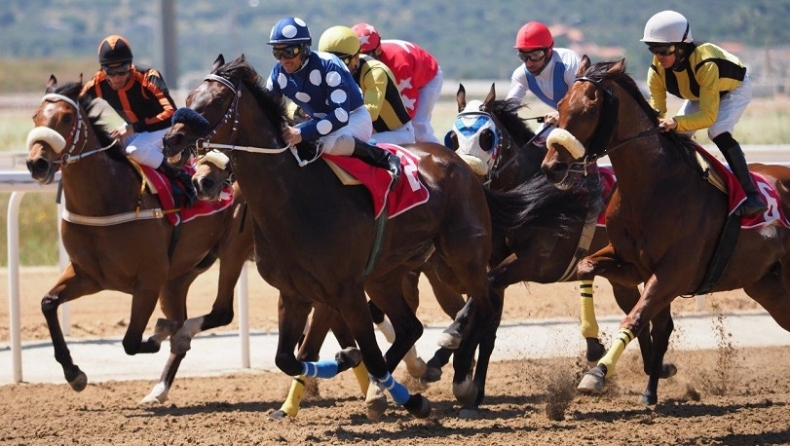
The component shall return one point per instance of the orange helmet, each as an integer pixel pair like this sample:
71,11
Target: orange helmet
369,38
533,35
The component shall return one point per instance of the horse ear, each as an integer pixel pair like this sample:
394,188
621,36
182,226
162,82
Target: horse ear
490,98
583,65
460,98
80,79
618,67
52,83
220,61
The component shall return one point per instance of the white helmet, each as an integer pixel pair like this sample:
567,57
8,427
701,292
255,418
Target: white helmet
667,27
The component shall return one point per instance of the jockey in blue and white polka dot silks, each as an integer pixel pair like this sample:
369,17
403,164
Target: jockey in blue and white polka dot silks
322,86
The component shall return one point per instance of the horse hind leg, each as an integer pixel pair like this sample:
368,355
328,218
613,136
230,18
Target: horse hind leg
772,292
415,365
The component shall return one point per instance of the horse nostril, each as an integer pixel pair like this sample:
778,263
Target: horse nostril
207,184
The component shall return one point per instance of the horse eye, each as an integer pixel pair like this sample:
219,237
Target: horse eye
67,118
487,140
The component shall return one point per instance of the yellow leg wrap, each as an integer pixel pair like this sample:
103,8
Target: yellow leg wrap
294,399
589,325
363,378
613,354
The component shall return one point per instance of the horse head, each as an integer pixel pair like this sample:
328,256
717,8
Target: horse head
590,114
475,137
59,128
213,173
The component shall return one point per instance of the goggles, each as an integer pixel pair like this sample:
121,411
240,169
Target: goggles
288,52
534,55
662,50
116,71
346,58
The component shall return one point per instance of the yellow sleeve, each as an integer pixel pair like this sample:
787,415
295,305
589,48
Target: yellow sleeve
658,90
707,77
374,88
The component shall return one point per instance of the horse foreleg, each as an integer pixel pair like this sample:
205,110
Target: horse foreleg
414,364
661,329
772,292
70,285
451,337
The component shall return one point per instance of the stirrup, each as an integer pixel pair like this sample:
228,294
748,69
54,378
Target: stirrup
751,207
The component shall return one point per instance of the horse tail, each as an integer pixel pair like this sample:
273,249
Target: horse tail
540,205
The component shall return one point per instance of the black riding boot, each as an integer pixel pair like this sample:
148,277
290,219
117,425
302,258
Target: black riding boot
753,205
180,178
378,157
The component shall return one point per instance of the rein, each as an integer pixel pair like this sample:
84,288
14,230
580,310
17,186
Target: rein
74,136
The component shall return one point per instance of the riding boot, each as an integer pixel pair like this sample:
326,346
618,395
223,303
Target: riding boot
378,157
753,205
180,178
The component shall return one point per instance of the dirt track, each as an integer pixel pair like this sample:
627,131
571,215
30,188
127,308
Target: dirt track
723,396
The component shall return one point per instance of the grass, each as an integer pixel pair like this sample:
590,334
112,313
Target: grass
764,122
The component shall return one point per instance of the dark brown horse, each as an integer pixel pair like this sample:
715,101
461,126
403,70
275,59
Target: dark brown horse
117,240
317,245
665,224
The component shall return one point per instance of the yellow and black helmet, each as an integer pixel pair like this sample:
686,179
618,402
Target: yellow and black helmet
114,49
339,40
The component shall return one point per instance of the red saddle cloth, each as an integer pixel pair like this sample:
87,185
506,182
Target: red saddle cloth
407,194
736,195
608,179
200,208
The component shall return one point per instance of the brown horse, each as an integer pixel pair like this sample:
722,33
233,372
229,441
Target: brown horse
318,245
116,239
665,224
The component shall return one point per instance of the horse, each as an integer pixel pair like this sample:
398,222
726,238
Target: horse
498,145
318,247
665,223
116,238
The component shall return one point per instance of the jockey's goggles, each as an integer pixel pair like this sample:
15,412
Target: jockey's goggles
662,50
346,58
534,55
116,71
288,52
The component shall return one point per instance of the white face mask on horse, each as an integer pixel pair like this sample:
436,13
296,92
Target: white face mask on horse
469,127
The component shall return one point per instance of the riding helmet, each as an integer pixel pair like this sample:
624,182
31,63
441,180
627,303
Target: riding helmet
533,35
369,38
339,40
290,31
114,49
667,27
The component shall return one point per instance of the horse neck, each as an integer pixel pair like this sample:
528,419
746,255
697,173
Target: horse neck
97,185
520,162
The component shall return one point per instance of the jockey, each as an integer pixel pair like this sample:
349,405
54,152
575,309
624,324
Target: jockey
391,122
321,85
547,71
139,95
715,87
417,72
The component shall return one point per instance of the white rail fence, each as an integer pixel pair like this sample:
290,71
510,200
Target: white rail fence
19,182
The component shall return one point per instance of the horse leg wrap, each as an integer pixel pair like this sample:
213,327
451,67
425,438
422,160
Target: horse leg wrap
292,402
320,369
399,393
589,325
613,355
361,372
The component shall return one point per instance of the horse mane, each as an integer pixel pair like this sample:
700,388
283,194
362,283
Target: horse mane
270,103
72,90
507,113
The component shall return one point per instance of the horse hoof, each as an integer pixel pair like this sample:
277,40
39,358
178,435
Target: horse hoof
592,382
668,371
648,400
431,375
278,415
180,343
595,350
417,369
376,402
419,406
164,328
449,340
347,358
469,413
157,395
465,392
79,382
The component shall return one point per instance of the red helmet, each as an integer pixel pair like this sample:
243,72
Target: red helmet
533,35
369,38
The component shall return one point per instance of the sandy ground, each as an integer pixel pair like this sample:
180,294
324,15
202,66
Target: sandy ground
723,396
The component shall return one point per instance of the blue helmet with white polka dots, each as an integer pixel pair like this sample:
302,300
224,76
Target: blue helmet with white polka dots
290,31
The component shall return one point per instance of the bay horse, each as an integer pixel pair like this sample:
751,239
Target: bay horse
665,223
498,144
113,246
318,245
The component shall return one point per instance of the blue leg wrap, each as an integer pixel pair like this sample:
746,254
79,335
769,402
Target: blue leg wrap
321,369
400,394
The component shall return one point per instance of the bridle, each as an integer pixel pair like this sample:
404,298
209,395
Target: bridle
72,154
607,122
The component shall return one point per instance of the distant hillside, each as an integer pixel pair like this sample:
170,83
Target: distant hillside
471,40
